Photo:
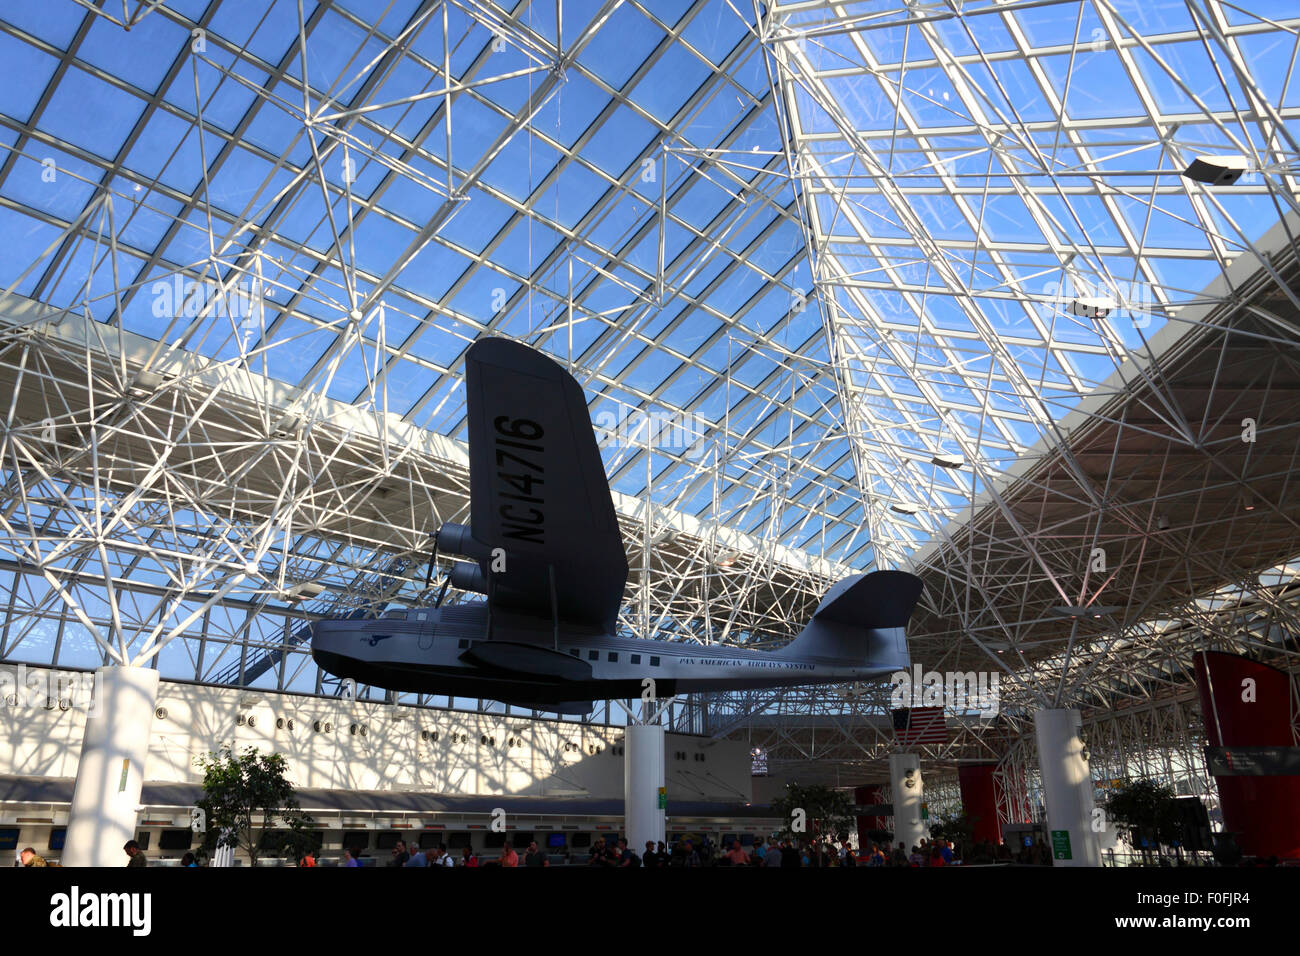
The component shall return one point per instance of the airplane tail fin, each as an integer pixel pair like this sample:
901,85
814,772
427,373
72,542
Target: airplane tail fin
861,622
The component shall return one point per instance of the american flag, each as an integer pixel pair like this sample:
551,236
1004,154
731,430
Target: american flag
920,725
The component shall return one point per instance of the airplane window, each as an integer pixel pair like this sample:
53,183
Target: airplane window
654,662
593,655
613,658
636,658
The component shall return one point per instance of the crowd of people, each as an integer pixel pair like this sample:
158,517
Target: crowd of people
690,851
687,851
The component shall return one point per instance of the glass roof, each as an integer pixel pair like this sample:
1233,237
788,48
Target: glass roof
834,243
974,181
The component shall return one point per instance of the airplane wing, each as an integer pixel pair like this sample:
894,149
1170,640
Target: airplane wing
538,490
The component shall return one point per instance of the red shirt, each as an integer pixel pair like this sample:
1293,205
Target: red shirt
511,858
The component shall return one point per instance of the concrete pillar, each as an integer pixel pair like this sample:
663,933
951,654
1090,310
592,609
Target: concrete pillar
643,785
1067,788
110,772
908,791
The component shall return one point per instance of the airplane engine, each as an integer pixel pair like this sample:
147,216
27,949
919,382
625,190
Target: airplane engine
468,577
457,539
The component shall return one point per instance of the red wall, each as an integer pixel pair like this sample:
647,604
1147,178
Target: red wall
979,800
1263,811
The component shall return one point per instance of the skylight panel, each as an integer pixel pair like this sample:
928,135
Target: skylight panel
665,89
90,113
24,73
570,112
521,166
620,46
103,48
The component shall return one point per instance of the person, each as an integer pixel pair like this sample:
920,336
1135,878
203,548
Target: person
400,856
30,857
508,855
899,856
760,851
597,856
772,858
945,850
136,855
418,858
467,857
626,856
877,857
444,857
690,856
936,856
916,859
308,859
650,858
663,854
790,856
535,857
736,855
188,861
352,856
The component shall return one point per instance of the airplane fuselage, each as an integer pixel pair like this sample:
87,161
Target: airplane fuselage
465,651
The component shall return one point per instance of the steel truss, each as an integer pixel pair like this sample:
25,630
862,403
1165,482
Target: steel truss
236,381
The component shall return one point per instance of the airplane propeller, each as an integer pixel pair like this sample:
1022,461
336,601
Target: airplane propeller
433,560
428,574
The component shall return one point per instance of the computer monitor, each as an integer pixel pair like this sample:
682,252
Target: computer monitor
580,841
555,841
57,836
357,838
458,840
8,838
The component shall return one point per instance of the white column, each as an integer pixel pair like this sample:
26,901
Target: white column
908,792
1067,788
643,781
110,772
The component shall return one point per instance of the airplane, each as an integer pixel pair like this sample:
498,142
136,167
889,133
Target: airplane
544,549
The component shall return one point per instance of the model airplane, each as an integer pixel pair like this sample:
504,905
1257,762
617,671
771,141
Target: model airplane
544,548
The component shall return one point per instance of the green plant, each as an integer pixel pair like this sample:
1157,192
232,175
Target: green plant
1148,807
239,789
956,827
826,813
